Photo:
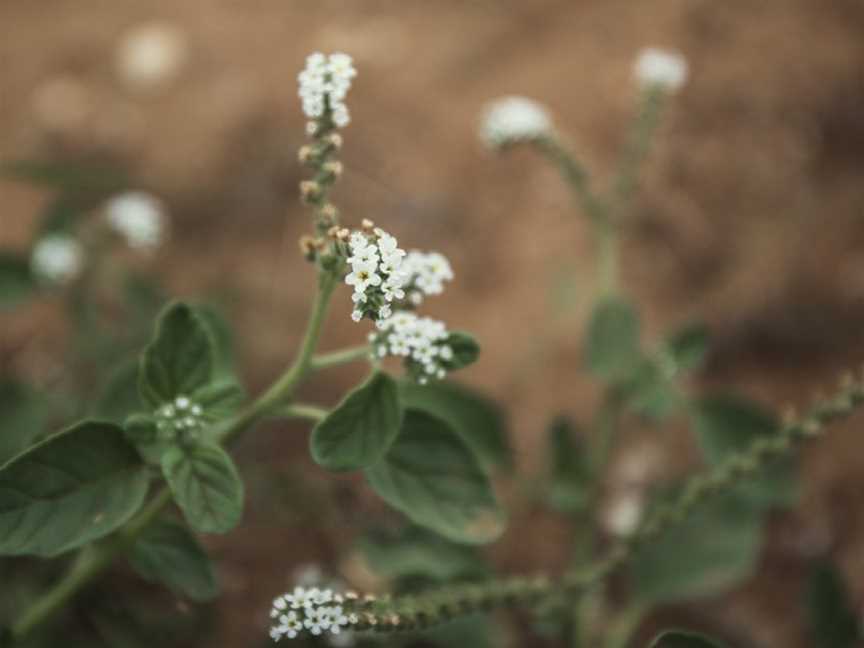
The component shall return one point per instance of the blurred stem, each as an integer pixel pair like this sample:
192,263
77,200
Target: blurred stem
303,411
623,626
574,175
337,358
636,150
94,559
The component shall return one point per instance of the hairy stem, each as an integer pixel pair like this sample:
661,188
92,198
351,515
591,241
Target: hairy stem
337,358
93,560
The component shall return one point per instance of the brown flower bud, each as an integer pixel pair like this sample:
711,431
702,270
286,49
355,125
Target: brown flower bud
367,225
308,247
310,190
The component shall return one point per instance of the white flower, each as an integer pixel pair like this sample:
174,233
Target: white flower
138,217
420,341
57,259
151,54
376,273
426,273
657,67
623,514
324,83
362,276
514,119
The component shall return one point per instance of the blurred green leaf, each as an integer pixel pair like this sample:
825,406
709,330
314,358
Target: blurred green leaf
23,415
715,548
206,485
119,397
16,281
465,350
474,631
72,488
651,393
419,554
223,337
167,553
569,470
81,175
433,477
612,341
358,432
180,359
726,425
833,621
679,639
688,347
473,416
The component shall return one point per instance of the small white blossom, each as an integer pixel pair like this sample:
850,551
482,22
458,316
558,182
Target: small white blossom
314,610
138,217
623,514
57,259
514,119
657,67
425,274
376,274
421,342
324,83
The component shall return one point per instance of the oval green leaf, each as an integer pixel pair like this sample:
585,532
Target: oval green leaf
180,359
360,430
473,416
167,553
612,340
465,350
206,485
678,639
72,488
433,477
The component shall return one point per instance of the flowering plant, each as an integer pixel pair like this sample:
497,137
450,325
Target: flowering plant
153,469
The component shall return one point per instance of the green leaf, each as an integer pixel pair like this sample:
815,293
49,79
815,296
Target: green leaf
142,432
16,280
417,553
206,486
569,472
167,553
833,621
360,430
465,350
180,359
473,416
713,549
81,175
432,477
726,425
688,347
678,639
612,341
22,418
73,488
220,398
651,393
222,336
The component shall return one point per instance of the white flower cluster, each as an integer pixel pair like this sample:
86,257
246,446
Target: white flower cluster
510,120
138,217
57,259
425,274
324,83
376,274
420,341
312,609
180,416
657,67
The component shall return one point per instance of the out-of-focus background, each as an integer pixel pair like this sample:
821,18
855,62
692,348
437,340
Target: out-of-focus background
749,218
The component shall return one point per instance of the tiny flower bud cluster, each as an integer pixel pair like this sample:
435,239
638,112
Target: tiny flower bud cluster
376,273
57,259
178,418
657,67
138,217
324,84
420,341
315,610
425,274
511,120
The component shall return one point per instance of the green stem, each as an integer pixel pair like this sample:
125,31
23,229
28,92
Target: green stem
303,411
341,357
96,558
574,175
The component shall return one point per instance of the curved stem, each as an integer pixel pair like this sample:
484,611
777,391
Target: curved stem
303,411
96,558
341,357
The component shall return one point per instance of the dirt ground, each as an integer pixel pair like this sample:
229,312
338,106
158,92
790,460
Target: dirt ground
750,216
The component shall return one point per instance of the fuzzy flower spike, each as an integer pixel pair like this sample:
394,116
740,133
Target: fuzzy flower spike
376,273
324,84
514,120
311,610
660,68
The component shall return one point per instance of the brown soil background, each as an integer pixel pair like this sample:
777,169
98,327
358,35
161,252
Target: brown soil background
750,219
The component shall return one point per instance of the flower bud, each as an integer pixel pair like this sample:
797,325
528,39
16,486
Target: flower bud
310,191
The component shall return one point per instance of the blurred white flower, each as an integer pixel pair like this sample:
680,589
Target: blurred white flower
514,119
138,217
151,54
425,274
622,515
421,342
324,83
658,67
57,259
